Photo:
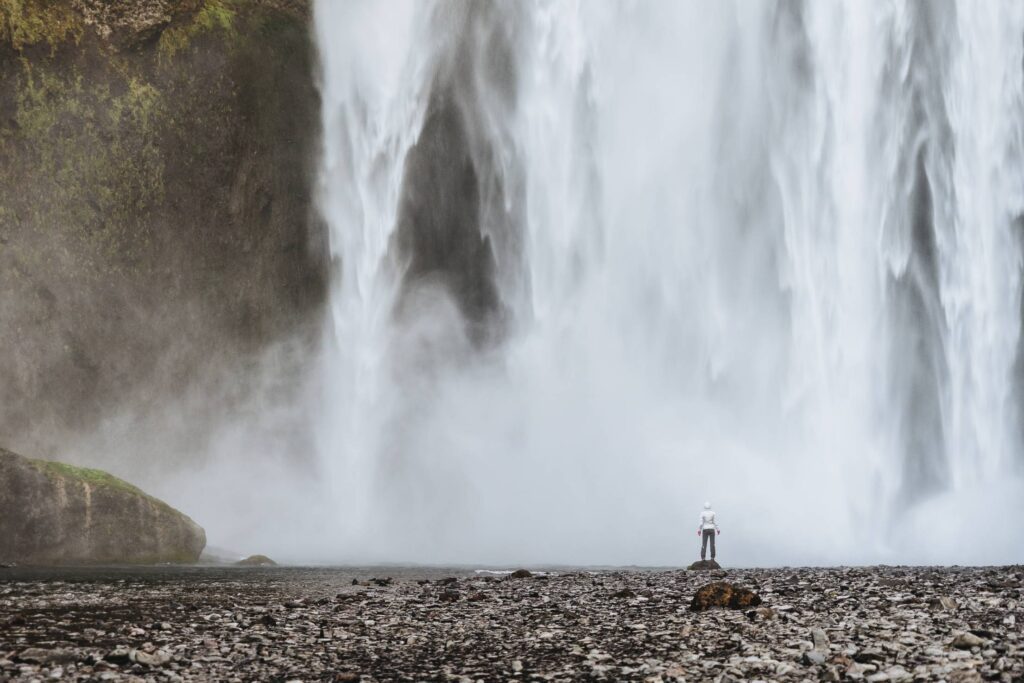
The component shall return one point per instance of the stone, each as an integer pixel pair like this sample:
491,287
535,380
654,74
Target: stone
233,625
760,614
723,594
256,561
898,673
52,513
965,641
521,574
37,655
154,659
820,639
704,565
943,602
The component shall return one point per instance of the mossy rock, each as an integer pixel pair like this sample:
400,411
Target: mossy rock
256,561
52,513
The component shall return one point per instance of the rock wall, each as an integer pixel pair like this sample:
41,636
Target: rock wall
156,220
52,513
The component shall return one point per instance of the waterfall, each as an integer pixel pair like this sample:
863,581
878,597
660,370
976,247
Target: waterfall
596,262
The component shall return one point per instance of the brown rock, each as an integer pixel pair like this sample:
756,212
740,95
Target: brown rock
521,574
723,594
965,641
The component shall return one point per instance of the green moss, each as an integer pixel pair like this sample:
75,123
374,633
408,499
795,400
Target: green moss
92,149
212,15
31,22
97,478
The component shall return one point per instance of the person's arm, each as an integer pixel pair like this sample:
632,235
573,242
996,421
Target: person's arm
715,522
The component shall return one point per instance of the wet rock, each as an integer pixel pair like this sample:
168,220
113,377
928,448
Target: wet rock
723,594
256,561
965,641
704,565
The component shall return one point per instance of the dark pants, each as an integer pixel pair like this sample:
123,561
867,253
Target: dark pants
708,533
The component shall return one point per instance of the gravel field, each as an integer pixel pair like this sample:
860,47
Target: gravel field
388,623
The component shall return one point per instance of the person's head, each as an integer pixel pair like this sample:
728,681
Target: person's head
707,505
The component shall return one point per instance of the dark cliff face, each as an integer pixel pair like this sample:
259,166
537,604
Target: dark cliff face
156,218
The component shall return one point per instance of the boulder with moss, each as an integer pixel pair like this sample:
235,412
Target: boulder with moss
53,513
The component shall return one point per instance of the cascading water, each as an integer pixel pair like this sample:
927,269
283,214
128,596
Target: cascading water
597,262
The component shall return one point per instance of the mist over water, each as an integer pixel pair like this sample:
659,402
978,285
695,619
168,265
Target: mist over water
598,262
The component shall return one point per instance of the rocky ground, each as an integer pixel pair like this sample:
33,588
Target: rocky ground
872,624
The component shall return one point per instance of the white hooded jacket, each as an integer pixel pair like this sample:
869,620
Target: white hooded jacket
707,518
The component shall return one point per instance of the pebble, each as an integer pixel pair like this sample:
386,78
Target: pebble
866,624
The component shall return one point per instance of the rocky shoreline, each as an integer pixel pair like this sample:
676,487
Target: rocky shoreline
872,624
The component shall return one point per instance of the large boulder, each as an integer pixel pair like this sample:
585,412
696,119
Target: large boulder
52,513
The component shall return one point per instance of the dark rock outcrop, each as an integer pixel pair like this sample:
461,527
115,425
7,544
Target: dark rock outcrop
156,208
256,561
722,594
52,513
704,565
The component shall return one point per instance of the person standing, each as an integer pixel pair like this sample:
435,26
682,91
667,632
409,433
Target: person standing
707,530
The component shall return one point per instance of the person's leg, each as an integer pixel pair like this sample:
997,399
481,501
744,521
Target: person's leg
703,544
711,533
